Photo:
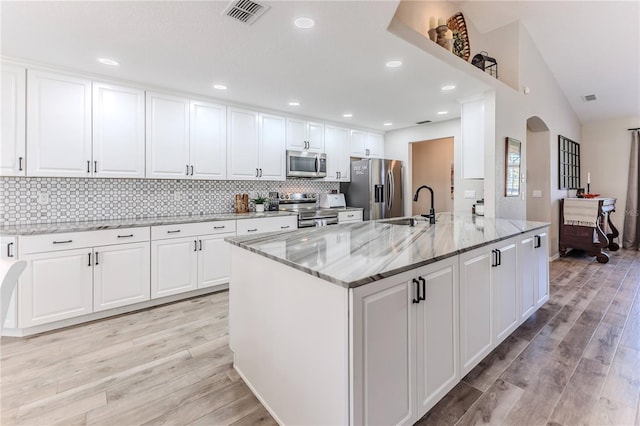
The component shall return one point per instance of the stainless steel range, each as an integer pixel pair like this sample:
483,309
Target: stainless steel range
309,214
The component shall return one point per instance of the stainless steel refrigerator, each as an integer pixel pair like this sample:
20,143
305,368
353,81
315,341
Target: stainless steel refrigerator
376,186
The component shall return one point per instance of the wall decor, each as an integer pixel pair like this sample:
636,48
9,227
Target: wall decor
486,63
568,163
461,45
512,172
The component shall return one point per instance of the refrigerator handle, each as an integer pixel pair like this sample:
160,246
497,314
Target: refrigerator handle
391,185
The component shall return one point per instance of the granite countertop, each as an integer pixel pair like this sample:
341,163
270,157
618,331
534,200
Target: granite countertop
355,254
95,225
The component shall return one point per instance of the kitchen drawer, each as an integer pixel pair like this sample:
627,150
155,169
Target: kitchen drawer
216,227
162,232
350,216
267,224
73,240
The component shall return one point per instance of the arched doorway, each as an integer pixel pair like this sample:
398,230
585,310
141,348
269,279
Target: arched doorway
538,173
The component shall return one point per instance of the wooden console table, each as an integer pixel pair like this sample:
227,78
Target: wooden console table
584,223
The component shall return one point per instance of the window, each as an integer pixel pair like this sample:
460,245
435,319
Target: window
568,163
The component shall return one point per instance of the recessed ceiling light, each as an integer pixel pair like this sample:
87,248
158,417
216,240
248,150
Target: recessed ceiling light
443,112
394,64
220,87
448,87
108,61
388,124
294,103
347,115
304,23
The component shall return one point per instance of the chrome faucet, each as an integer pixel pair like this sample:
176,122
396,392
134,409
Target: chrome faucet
432,212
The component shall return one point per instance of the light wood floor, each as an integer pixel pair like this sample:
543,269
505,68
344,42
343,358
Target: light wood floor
577,361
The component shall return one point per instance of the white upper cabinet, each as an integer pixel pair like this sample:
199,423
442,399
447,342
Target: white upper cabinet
167,136
272,147
58,125
208,143
367,144
305,135
255,145
118,131
337,147
12,144
242,144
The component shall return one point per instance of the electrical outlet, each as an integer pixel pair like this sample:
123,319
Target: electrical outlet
537,193
43,198
471,194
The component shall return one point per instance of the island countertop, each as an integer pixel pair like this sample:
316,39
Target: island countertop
351,255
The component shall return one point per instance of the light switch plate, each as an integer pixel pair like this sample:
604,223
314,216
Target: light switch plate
537,193
470,194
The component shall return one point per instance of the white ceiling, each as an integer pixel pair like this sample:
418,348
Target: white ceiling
334,68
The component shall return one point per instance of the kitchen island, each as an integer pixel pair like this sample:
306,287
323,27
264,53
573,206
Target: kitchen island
373,322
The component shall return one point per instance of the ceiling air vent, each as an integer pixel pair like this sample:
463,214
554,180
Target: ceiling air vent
589,98
424,122
245,11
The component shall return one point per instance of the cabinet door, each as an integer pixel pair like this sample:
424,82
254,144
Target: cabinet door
475,307
505,291
8,252
542,267
375,145
118,131
120,275
272,147
358,143
58,125
315,136
383,350
167,136
12,107
296,134
242,144
208,140
214,260
55,286
336,146
174,266
528,286
437,365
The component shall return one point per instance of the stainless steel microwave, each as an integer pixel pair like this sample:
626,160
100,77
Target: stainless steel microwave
303,164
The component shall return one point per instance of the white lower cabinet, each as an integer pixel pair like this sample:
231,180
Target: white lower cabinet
120,275
528,286
405,344
189,256
505,289
541,271
268,224
74,274
55,286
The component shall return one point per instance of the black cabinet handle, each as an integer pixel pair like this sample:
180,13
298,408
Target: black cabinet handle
417,298
538,242
494,258
219,227
88,166
284,227
195,245
97,259
423,284
95,167
260,172
9,253
191,170
19,163
200,245
125,236
499,253
252,230
62,242
187,172
89,259
173,232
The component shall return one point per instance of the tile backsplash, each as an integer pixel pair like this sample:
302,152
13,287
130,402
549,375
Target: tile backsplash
35,200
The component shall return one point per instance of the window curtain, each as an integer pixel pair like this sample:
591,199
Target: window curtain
631,233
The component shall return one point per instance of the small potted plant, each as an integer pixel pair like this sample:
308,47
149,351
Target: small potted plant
259,202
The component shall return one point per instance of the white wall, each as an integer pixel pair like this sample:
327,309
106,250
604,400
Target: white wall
604,152
397,147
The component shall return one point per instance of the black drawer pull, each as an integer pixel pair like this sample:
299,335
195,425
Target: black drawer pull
252,230
173,232
63,242
219,227
417,298
9,253
89,259
350,215
285,227
19,163
97,259
125,236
